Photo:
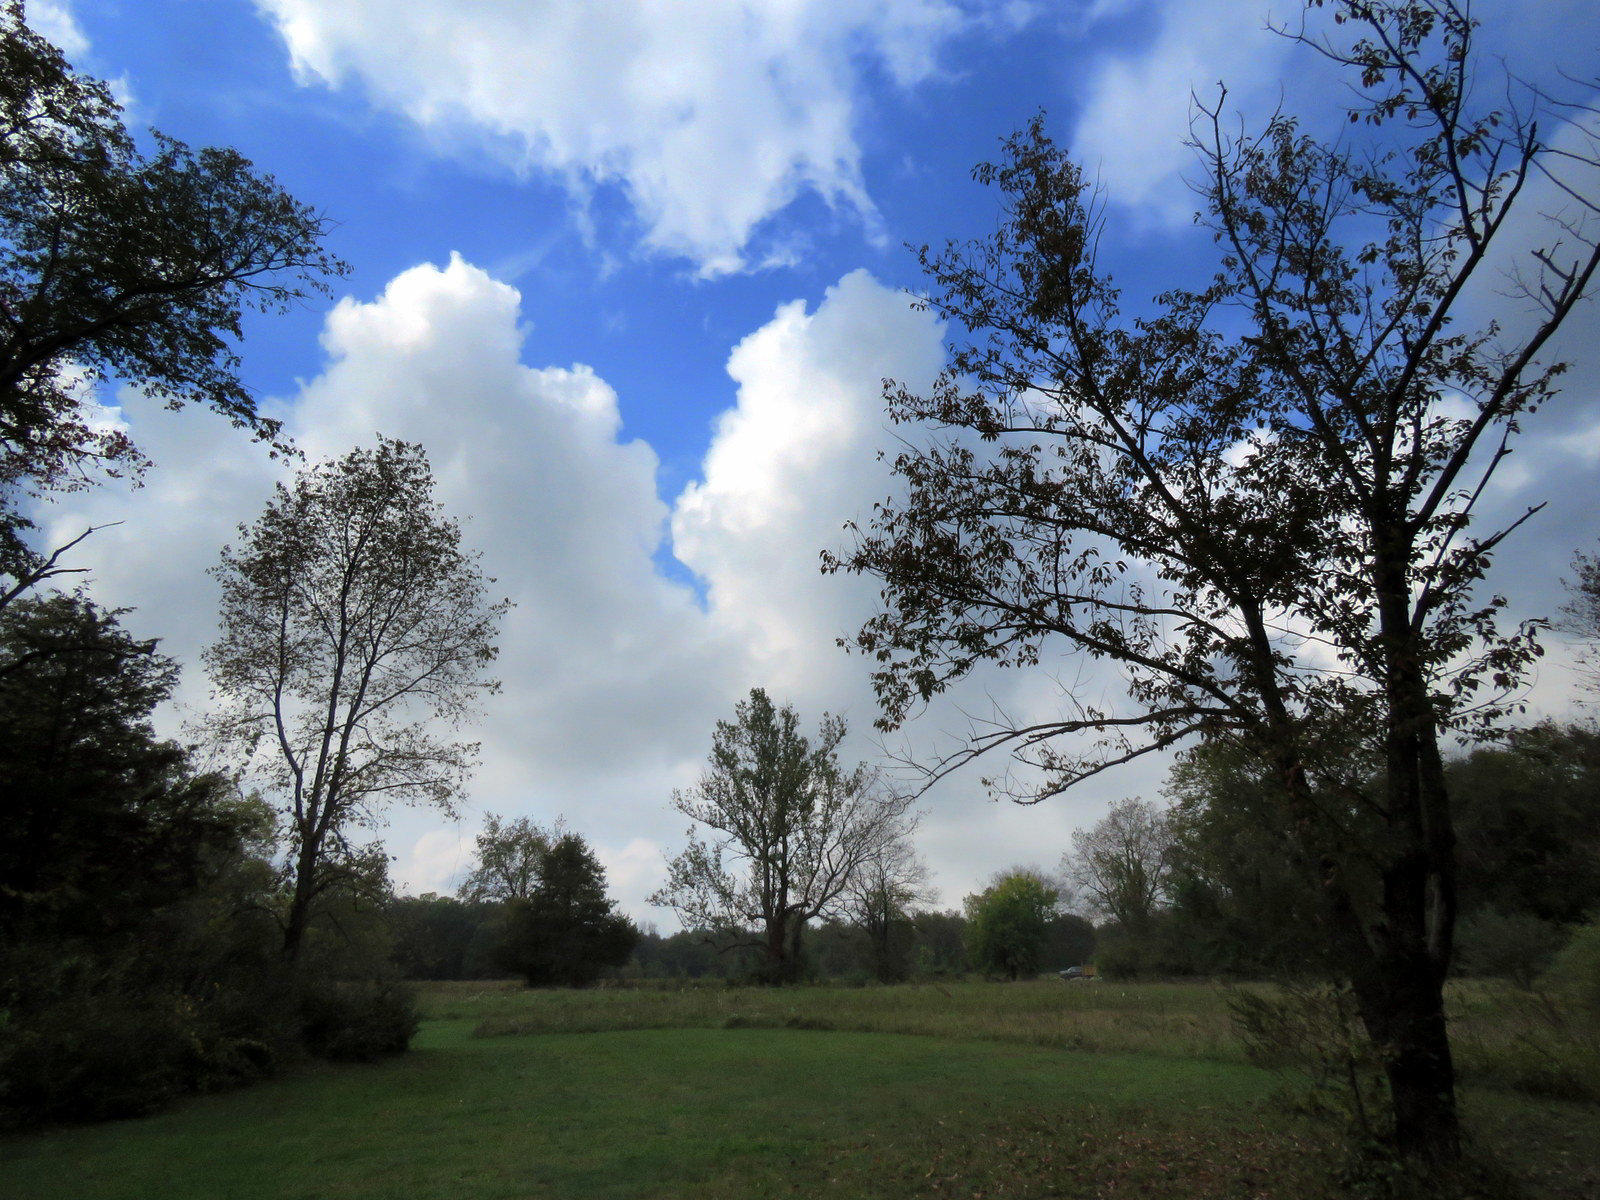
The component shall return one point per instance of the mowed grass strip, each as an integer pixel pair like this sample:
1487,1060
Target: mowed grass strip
713,1113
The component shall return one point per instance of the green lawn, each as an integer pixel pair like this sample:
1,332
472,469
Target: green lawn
732,1103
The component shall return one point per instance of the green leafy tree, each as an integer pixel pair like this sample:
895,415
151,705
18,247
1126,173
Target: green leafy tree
117,265
440,937
353,626
511,855
102,820
791,830
1529,824
1240,902
940,947
1261,499
1069,941
1008,922
565,930
133,904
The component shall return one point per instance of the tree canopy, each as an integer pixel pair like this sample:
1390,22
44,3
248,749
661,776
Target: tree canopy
1007,924
1122,865
511,855
565,930
1262,500
102,820
122,265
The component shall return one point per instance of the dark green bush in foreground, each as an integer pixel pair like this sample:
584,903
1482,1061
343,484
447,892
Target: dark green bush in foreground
140,946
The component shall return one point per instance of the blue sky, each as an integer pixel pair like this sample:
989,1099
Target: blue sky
633,271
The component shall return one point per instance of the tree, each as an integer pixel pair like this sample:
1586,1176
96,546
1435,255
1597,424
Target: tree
440,937
564,931
791,829
117,265
941,942
102,821
511,856
1260,500
1122,865
1581,614
1007,923
1238,898
1529,824
879,901
353,623
131,914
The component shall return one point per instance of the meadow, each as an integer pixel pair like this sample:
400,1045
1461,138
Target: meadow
941,1089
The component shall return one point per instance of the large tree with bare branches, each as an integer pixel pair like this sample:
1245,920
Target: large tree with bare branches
1263,500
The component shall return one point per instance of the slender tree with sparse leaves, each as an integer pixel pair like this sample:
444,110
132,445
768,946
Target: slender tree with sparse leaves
355,636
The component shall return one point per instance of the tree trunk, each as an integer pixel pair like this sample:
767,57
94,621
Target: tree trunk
1413,944
299,919
1402,1007
777,951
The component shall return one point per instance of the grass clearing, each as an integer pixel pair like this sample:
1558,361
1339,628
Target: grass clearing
733,1093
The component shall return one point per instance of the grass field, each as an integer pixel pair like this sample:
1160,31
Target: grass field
934,1090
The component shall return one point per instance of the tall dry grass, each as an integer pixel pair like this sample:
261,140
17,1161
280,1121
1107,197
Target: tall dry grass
1504,1037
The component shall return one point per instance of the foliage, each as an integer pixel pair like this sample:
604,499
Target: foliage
102,820
356,1020
353,625
115,265
1575,974
440,937
1581,614
1529,823
1260,500
510,855
132,903
688,954
1069,941
564,931
1515,946
1007,923
796,830
1121,866
1240,905
1314,1034
879,901
941,944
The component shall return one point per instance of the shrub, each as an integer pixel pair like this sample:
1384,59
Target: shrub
1514,946
1575,974
356,1020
